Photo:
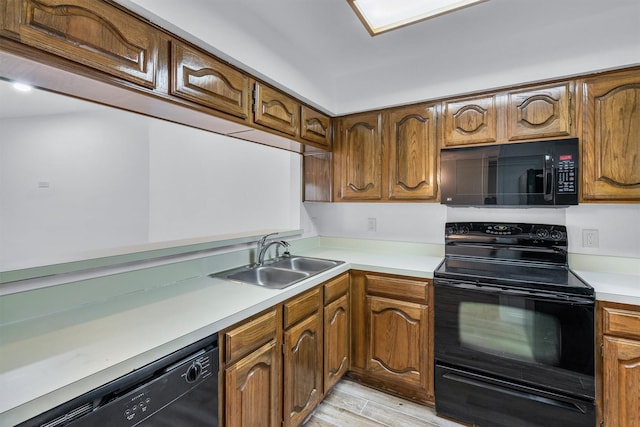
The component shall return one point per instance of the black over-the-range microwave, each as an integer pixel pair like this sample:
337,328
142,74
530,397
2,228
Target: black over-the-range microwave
541,173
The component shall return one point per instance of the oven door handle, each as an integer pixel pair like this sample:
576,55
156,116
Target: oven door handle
572,406
555,297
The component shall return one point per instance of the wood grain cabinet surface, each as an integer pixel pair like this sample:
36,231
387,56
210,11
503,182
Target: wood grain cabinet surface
470,121
611,142
540,112
253,372
303,352
336,330
620,394
275,110
412,154
316,127
201,78
391,334
358,158
92,33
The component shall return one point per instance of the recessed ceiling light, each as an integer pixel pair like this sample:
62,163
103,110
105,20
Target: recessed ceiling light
22,87
379,16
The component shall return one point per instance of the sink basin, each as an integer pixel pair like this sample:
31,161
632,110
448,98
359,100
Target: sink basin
279,273
309,265
270,277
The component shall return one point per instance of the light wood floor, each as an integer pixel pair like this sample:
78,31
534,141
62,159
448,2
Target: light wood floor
351,404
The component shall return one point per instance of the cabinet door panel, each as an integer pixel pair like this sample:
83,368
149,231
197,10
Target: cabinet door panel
470,121
276,111
539,113
91,33
397,341
336,341
252,388
621,382
412,153
316,127
359,158
203,79
302,369
611,146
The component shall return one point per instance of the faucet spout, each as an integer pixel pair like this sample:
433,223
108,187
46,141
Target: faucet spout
265,248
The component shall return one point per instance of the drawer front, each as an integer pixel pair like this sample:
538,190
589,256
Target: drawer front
249,336
621,322
402,289
335,288
301,307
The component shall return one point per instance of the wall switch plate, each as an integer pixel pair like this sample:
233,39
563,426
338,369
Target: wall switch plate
589,238
371,224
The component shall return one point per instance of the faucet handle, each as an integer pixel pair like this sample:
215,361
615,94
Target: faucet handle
265,237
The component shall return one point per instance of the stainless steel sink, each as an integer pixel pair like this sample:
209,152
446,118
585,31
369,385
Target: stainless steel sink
309,265
279,273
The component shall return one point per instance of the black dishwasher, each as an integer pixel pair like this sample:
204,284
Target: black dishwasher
180,389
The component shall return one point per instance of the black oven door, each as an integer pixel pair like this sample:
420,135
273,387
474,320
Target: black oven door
533,339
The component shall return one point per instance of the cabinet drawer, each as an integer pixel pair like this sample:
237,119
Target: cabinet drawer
249,336
621,322
335,288
402,289
301,307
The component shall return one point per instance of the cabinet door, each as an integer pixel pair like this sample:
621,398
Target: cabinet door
611,143
336,341
412,153
275,110
358,158
398,341
539,113
317,176
316,127
252,389
621,368
302,369
89,32
470,121
202,79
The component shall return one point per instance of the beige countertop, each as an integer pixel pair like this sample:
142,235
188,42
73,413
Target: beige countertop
48,361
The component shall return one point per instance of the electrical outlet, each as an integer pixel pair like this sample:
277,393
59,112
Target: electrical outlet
371,224
589,238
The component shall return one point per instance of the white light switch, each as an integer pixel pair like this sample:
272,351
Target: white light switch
589,238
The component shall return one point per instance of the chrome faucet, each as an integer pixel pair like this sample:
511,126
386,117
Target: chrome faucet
260,245
263,247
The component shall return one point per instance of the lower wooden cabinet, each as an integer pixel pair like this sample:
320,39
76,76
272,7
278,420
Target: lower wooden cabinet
336,330
278,365
252,389
620,367
391,333
302,356
252,359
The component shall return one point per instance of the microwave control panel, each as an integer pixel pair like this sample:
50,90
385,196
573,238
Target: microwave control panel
566,174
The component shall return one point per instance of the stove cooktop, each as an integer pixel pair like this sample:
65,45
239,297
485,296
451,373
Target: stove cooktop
533,277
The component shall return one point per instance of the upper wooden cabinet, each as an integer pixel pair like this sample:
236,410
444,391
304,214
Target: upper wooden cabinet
539,113
470,121
316,127
276,110
358,158
413,152
92,33
200,78
611,143
532,113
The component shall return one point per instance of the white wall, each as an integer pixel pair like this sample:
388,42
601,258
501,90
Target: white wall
73,185
619,234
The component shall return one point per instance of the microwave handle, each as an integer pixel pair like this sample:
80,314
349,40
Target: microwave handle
548,178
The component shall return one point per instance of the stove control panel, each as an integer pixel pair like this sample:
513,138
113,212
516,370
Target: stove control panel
534,233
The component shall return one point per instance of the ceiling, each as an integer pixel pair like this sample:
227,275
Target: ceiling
320,51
